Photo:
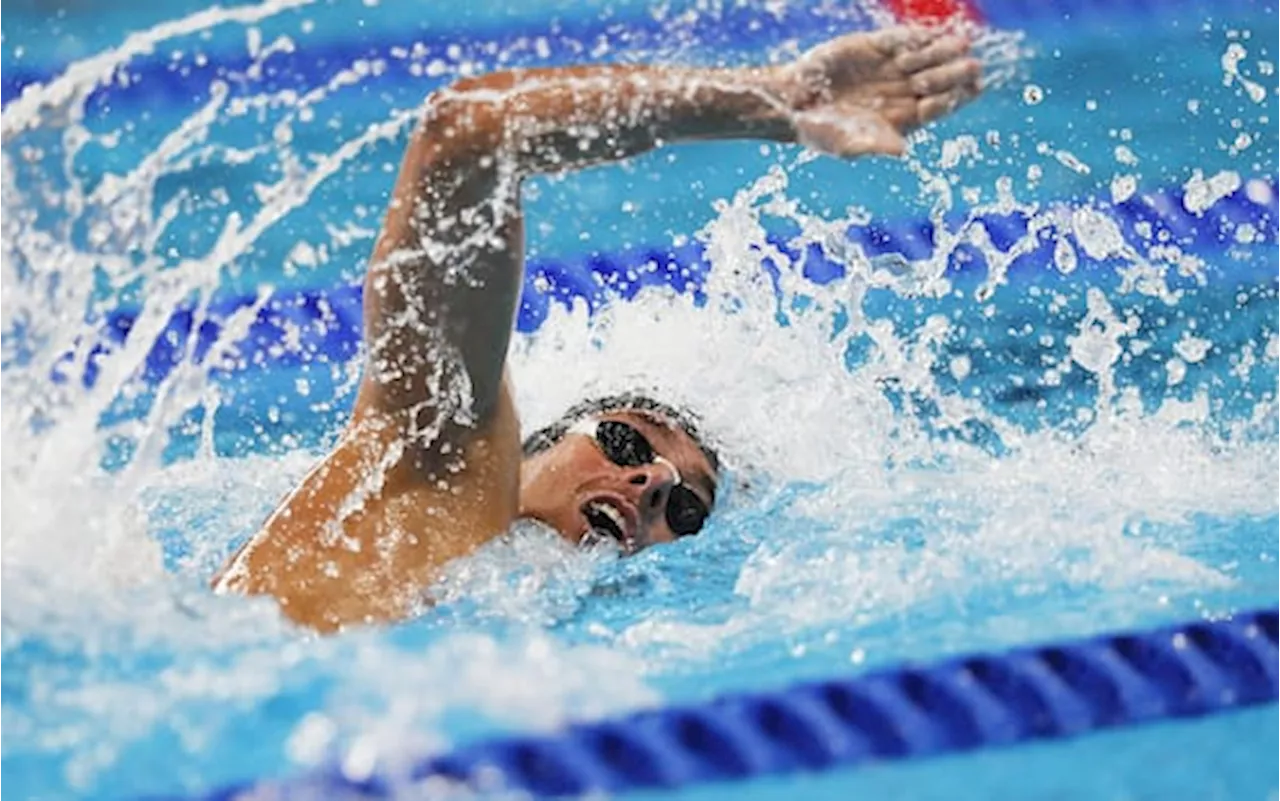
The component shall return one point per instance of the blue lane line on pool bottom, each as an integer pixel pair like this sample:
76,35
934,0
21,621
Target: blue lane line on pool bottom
960,704
329,321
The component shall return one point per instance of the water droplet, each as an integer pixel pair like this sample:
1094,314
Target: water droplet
1069,160
1258,191
1064,256
1201,193
1192,349
1123,187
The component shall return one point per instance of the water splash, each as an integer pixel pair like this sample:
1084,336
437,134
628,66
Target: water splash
61,102
875,472
1049,509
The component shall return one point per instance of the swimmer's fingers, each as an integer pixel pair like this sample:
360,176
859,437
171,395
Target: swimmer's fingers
891,42
866,91
940,51
946,77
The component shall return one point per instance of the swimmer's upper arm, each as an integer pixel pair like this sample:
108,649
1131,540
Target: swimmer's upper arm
446,272
444,278
428,468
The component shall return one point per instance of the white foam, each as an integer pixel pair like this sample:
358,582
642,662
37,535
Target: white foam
1057,511
1200,192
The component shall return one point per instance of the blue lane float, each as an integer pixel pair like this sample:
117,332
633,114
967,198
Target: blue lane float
965,703
328,321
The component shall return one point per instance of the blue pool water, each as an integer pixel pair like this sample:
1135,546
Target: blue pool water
928,457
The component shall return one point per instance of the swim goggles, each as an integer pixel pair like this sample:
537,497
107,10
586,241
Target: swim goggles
624,445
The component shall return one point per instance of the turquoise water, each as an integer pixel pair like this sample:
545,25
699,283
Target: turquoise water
919,468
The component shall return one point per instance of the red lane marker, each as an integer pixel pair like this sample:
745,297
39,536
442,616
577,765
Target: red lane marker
933,10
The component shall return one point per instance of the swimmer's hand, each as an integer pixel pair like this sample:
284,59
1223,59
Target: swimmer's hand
862,93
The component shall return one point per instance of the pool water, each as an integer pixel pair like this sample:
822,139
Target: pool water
933,446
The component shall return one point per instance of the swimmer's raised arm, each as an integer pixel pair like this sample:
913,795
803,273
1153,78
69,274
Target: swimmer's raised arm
456,201
429,467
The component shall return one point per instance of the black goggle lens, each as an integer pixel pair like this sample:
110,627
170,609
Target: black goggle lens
685,512
624,444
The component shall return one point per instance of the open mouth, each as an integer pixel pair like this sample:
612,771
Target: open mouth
607,520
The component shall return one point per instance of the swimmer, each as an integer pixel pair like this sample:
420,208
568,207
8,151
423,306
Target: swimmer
430,465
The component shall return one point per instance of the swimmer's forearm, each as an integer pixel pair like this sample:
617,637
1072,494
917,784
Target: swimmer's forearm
560,119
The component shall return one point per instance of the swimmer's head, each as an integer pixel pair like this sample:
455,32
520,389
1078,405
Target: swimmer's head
624,467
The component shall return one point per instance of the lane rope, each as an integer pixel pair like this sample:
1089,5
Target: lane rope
965,703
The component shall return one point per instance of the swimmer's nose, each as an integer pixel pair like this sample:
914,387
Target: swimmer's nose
650,485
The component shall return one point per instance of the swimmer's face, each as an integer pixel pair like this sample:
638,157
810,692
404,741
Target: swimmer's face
626,476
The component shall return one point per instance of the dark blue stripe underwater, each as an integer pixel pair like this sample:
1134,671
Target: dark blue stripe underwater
329,321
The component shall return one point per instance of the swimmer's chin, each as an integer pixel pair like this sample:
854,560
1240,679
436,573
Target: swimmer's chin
600,541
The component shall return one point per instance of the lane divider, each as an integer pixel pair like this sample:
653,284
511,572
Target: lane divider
965,703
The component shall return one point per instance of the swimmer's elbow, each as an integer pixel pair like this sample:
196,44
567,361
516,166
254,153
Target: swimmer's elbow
461,124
